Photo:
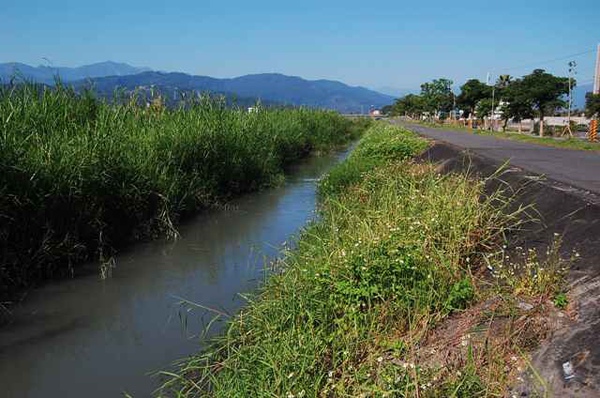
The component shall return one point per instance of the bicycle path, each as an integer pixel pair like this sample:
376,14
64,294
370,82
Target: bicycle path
578,168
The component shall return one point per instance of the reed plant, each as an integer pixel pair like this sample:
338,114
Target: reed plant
81,177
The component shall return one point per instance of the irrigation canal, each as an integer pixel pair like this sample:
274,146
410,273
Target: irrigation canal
102,338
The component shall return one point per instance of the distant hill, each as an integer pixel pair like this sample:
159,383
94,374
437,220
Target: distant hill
268,87
47,74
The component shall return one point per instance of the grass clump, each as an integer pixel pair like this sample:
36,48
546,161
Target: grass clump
80,177
388,294
386,145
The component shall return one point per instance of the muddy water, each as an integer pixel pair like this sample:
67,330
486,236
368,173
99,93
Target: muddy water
102,338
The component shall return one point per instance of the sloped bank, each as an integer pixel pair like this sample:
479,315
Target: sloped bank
402,288
574,215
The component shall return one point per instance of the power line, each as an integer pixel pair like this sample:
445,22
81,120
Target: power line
587,81
548,60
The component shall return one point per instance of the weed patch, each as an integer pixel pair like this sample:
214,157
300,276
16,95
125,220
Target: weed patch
388,294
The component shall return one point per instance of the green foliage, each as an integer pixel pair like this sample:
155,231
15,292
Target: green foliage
409,105
484,108
437,95
561,301
384,144
385,257
461,293
518,105
592,104
471,93
538,91
544,90
79,176
387,110
503,82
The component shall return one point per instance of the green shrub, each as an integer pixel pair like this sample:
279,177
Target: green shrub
382,144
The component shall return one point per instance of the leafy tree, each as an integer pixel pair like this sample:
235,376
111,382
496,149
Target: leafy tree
437,96
502,84
592,104
503,81
483,108
471,93
517,106
411,104
544,90
386,110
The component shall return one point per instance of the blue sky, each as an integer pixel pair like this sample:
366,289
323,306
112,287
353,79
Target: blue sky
381,43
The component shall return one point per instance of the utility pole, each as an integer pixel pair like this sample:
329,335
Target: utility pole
453,106
492,114
493,95
572,71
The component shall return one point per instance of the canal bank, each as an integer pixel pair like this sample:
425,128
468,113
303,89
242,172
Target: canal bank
405,287
101,338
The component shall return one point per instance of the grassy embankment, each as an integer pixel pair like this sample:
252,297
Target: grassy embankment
390,293
558,142
80,177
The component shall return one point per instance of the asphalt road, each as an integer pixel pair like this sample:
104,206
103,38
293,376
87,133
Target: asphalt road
577,168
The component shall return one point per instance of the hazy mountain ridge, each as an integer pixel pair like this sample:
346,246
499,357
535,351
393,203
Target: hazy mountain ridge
47,74
268,87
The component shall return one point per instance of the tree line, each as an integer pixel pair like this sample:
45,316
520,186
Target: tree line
537,94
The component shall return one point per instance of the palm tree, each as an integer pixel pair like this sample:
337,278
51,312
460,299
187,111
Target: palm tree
503,81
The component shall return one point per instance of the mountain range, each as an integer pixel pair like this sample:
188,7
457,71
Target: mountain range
47,74
105,77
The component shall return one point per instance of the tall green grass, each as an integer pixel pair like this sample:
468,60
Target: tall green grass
344,313
80,176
